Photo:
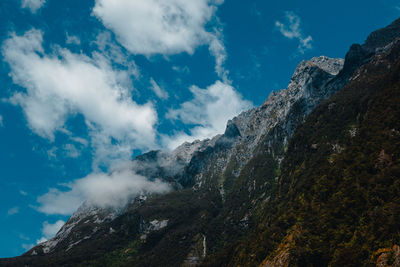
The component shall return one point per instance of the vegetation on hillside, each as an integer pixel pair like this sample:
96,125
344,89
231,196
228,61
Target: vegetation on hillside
338,200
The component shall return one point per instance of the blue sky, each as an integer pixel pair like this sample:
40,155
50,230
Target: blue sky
88,84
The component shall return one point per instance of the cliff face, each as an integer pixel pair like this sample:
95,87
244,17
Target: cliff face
286,184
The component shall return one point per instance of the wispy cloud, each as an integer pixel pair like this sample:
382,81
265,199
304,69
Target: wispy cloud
71,39
181,69
217,49
33,5
71,151
160,92
1,121
291,29
13,211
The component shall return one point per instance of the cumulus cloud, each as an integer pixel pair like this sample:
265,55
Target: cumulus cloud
160,92
157,27
99,189
163,27
292,30
13,211
59,84
62,84
33,5
208,112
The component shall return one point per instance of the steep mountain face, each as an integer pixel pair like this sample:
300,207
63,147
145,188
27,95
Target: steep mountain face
224,160
337,199
307,178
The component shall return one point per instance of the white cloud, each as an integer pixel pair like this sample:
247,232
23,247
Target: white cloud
158,27
292,30
208,112
163,26
217,49
22,192
1,121
62,84
160,92
100,189
33,5
13,211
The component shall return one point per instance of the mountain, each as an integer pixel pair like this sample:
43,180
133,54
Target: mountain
336,202
309,178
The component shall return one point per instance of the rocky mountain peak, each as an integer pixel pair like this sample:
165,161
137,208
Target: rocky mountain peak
309,76
330,65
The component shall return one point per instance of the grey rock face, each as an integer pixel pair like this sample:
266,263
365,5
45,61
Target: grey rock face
310,84
330,65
